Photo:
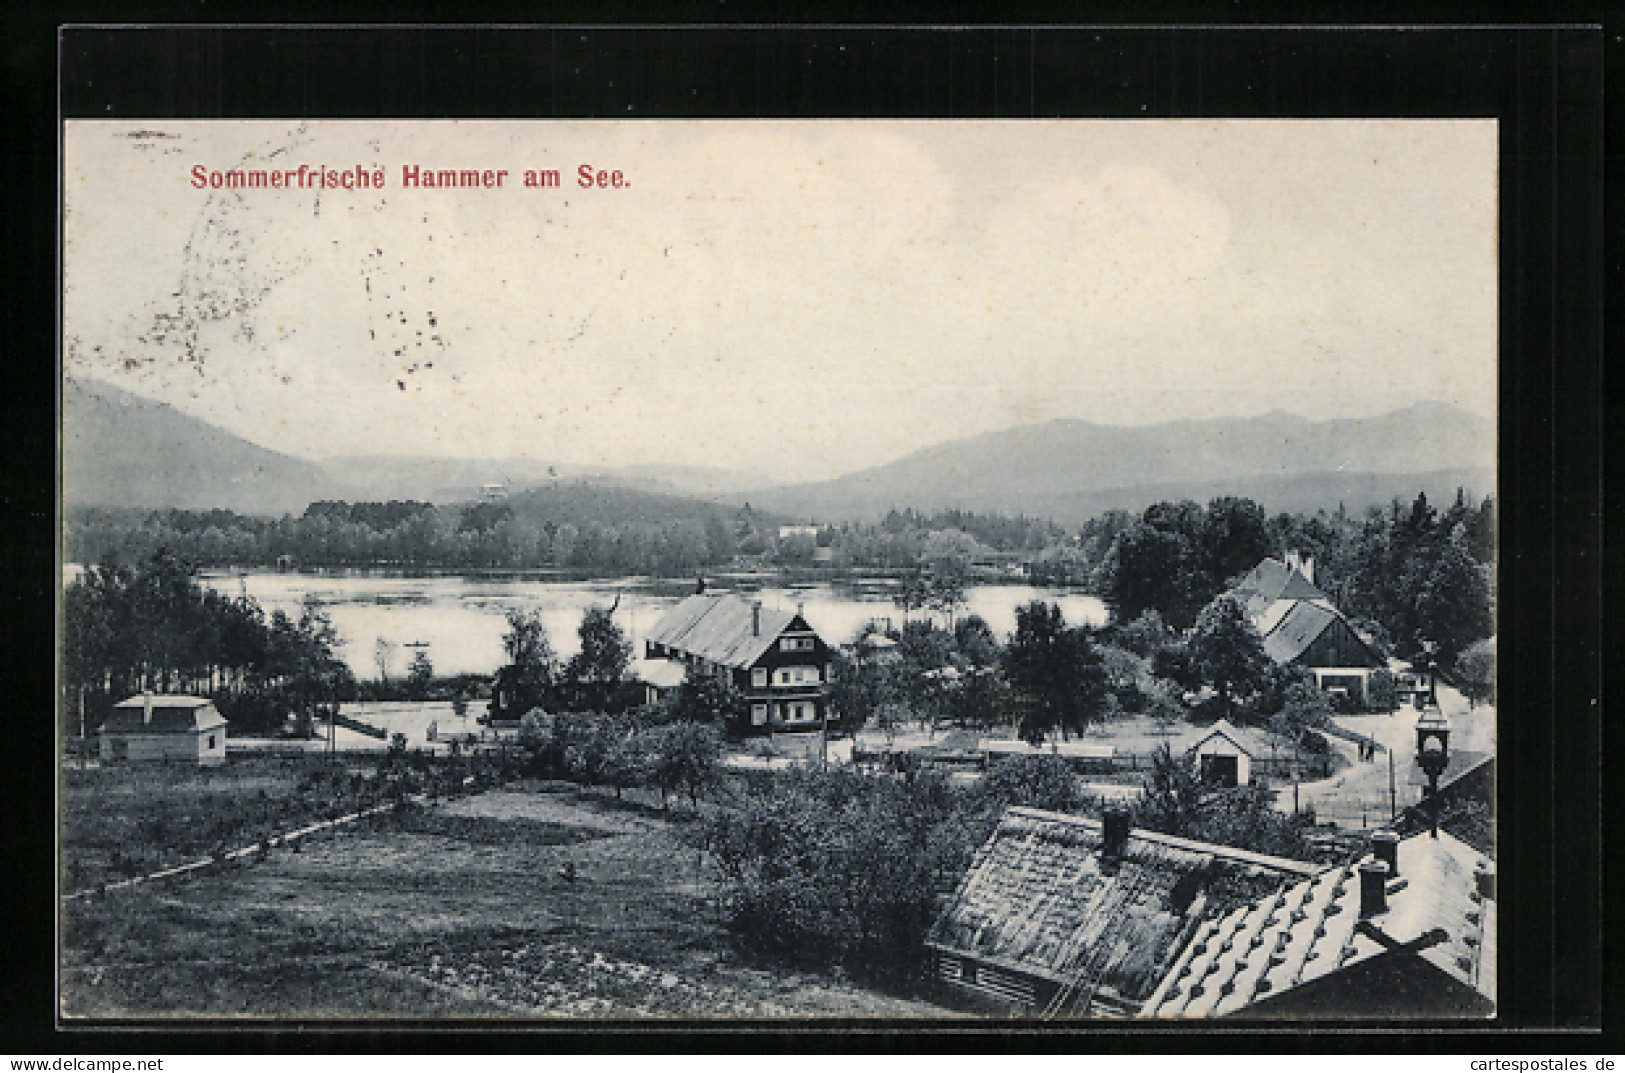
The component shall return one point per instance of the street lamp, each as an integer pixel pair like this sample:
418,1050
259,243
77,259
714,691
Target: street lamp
1430,661
1433,754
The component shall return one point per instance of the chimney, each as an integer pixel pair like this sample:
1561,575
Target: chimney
146,707
1385,848
1373,888
756,618
1114,832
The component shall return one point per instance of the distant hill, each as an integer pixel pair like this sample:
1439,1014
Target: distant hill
1073,470
451,480
579,503
121,450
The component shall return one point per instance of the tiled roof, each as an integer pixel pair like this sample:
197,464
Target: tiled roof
1039,899
170,715
1310,930
1273,580
720,628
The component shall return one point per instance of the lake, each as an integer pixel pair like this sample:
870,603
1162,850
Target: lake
460,620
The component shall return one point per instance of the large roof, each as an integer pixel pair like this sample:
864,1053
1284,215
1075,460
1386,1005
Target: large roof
1311,929
1273,580
170,715
1286,608
1039,899
720,628
1296,628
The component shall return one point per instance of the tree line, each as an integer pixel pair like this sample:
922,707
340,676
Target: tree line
1404,574
153,626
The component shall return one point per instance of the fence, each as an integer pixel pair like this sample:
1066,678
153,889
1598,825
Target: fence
1355,813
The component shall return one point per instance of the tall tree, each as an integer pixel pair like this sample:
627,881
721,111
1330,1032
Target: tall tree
1229,651
1234,537
595,674
524,683
1453,603
1144,572
419,675
1055,673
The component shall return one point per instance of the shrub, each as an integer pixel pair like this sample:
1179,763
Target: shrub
1045,782
1382,694
1245,817
839,868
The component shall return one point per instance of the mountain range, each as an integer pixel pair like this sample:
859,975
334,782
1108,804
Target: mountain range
119,449
1071,470
123,450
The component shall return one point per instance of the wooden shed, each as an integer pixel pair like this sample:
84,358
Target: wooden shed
153,727
1224,755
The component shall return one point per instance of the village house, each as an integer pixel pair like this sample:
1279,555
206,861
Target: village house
165,728
773,657
1063,915
1301,626
1406,932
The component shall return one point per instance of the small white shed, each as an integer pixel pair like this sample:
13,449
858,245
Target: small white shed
165,728
1222,756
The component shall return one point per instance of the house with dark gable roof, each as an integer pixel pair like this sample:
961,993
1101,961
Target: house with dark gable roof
167,728
1300,625
772,656
1062,915
1408,931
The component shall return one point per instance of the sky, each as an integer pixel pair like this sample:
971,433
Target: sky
799,299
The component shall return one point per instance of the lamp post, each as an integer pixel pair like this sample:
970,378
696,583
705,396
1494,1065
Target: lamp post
1432,755
1430,661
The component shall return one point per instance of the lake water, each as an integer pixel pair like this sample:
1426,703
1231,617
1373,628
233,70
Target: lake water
460,621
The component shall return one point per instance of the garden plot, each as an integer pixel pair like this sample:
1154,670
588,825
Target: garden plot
509,904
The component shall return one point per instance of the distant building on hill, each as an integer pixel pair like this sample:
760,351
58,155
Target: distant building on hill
165,728
774,657
1300,625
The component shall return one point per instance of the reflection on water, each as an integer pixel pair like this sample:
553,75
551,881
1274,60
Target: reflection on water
461,620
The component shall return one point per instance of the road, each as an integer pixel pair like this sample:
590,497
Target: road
1358,796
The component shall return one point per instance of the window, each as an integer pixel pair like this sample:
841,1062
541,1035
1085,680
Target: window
211,741
795,644
121,749
758,676
758,715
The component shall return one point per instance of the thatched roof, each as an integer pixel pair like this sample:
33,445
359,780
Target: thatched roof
1041,899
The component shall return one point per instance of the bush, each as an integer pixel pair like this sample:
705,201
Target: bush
1381,692
1045,782
839,868
1176,803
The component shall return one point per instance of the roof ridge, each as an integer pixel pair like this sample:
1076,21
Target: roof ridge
1302,868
